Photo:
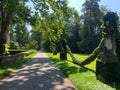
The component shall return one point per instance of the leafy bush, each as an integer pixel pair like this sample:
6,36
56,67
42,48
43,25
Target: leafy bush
14,45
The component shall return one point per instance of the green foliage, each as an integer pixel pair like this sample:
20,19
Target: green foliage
73,37
52,20
91,30
12,13
72,29
35,22
108,71
49,23
7,48
33,44
82,77
14,45
37,36
104,64
93,55
112,17
21,34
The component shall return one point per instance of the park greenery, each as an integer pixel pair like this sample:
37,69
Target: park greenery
82,77
51,21
54,27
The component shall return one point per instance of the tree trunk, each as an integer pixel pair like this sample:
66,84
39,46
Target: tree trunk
53,48
39,45
63,49
2,43
3,37
4,25
55,53
63,55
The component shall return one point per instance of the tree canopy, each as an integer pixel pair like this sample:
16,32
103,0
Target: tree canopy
51,21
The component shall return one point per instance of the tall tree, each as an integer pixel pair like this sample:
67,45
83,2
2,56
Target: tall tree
51,18
72,28
91,19
11,11
22,35
37,35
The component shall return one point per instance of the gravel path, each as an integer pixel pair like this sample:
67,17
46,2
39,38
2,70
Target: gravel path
39,73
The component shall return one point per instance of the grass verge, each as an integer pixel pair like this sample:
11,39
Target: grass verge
82,77
5,70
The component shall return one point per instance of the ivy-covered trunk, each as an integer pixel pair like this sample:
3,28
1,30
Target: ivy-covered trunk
63,49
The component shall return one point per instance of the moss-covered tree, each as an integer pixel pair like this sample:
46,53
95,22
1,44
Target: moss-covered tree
107,66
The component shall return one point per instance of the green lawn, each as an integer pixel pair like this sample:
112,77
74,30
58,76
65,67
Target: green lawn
82,77
5,70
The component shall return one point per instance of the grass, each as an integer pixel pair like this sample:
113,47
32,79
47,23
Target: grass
82,77
5,70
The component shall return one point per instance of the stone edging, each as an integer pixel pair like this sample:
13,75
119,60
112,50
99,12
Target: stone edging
6,60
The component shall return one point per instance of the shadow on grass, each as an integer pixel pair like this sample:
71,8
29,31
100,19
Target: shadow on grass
67,67
85,69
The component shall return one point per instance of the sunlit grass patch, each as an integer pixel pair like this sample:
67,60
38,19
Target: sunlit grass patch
82,77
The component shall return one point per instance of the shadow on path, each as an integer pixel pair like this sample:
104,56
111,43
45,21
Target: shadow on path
40,73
